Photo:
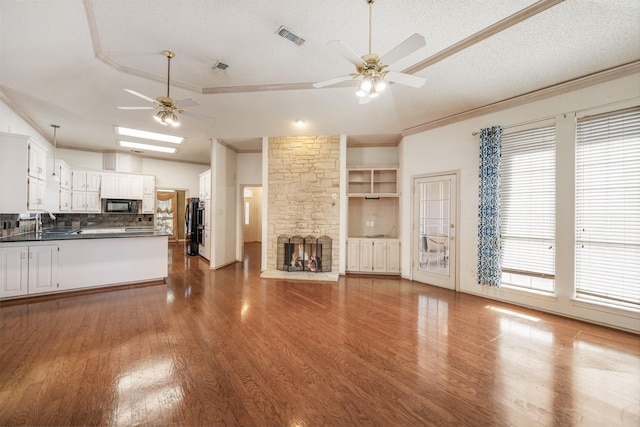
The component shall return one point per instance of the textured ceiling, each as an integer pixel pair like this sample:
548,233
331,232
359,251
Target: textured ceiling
68,62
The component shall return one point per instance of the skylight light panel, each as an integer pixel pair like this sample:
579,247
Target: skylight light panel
139,146
149,135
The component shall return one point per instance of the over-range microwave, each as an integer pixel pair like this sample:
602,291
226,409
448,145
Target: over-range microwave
121,206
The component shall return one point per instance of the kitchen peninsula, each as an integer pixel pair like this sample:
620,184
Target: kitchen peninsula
60,260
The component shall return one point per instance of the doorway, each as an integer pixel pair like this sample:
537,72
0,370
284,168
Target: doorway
252,214
434,230
170,207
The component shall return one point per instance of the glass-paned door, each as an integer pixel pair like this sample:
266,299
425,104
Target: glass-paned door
434,204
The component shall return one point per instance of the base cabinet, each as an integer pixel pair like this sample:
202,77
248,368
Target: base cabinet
28,270
373,256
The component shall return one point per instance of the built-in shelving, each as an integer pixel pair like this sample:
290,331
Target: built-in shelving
373,182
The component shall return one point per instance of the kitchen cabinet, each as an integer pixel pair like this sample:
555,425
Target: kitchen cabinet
373,182
373,255
58,192
85,201
28,270
83,180
65,200
126,186
22,174
205,185
37,162
148,204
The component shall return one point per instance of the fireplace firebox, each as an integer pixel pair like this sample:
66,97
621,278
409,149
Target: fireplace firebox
297,253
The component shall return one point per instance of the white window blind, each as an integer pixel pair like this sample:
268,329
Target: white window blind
608,208
527,208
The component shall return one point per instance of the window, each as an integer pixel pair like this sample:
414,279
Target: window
527,208
608,208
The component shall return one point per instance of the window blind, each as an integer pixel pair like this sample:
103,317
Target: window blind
608,208
527,210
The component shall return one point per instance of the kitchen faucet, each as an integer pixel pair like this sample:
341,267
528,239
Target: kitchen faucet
39,220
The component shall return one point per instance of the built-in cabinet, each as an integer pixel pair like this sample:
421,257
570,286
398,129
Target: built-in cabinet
149,194
205,195
28,270
85,190
58,191
373,255
22,174
373,212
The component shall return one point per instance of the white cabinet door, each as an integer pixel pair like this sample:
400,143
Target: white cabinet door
78,201
78,180
393,256
65,176
93,202
65,200
353,255
93,181
379,256
149,184
366,255
108,187
123,183
35,194
37,162
13,271
136,187
148,204
43,269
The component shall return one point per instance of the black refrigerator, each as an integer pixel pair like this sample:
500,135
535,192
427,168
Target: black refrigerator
194,225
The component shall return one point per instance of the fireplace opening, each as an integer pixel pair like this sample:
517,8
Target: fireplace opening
297,253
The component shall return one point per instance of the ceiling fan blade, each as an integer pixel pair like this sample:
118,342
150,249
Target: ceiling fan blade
405,48
346,52
405,79
186,103
333,81
139,95
136,108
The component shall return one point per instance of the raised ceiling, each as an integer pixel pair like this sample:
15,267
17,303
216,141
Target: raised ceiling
68,62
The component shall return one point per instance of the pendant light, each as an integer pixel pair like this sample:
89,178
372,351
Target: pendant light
54,176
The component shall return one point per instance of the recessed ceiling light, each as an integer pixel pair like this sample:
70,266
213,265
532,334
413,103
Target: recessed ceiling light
137,145
149,135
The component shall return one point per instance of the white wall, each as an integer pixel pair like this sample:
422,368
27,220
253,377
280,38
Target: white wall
454,148
175,175
225,217
249,168
10,122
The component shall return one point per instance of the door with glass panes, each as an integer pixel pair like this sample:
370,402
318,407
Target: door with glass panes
434,230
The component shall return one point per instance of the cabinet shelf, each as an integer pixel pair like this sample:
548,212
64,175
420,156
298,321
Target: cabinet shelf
380,182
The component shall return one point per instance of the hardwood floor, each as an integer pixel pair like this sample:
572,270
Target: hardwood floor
228,348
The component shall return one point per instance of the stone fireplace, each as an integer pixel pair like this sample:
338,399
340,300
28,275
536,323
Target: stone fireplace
297,253
303,204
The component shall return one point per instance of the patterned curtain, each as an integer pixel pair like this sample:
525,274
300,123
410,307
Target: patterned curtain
489,272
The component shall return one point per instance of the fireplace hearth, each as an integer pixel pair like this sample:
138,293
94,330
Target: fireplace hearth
310,253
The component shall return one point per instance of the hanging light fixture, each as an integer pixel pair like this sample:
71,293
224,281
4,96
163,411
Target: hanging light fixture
54,176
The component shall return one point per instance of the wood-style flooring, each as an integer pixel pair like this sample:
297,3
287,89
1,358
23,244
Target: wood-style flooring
227,348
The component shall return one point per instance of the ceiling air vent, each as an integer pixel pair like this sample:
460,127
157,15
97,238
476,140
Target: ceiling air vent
220,66
283,32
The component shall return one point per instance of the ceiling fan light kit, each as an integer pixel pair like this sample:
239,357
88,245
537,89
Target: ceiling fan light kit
167,107
371,69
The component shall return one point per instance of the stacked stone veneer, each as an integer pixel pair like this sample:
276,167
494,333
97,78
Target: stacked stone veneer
303,173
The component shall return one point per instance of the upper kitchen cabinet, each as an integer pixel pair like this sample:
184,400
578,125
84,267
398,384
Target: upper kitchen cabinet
22,174
377,182
126,186
205,185
85,190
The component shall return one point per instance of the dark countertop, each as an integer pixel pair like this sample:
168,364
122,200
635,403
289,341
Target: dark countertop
84,234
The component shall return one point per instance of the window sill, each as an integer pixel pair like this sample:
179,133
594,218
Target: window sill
604,307
546,296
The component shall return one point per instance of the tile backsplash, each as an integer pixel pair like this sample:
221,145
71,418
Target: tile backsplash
11,224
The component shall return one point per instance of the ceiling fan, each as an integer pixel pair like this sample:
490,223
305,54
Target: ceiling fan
371,69
167,107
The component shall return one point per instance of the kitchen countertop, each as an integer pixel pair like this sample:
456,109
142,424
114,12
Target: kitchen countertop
84,234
